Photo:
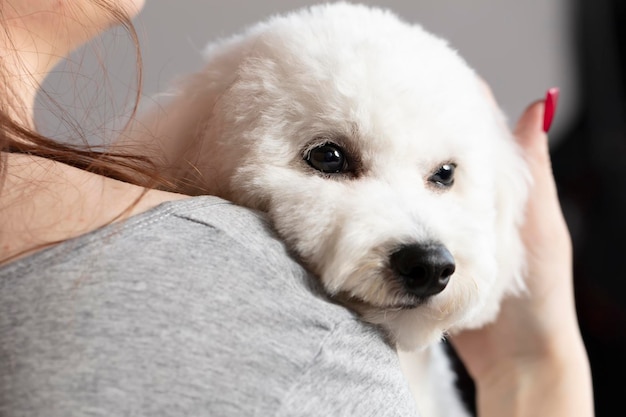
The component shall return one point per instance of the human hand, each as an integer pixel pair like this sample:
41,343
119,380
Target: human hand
531,360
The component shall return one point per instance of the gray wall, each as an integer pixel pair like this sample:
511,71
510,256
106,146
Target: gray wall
521,47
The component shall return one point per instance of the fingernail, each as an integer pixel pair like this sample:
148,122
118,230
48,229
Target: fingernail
552,99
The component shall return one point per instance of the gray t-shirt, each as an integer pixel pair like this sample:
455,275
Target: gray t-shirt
193,308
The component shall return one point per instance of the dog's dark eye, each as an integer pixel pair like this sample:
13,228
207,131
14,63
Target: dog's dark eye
444,176
327,158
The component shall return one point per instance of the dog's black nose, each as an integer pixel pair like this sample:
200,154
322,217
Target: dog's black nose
424,269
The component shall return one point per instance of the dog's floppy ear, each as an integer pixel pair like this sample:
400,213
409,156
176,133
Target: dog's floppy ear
181,122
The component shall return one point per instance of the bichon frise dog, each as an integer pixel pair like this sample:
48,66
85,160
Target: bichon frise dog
381,162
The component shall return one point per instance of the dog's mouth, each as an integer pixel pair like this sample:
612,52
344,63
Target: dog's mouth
360,305
404,306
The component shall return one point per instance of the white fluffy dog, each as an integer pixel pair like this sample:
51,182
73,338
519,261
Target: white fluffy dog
381,162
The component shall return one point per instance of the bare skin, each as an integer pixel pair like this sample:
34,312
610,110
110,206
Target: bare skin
43,202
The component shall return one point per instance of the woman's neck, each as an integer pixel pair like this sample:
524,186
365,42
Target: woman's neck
24,67
44,202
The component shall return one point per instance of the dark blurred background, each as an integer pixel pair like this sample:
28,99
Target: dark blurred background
590,168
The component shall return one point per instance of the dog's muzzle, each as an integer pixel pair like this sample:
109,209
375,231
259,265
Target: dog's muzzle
423,269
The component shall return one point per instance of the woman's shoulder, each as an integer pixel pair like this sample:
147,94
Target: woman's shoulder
201,292
168,230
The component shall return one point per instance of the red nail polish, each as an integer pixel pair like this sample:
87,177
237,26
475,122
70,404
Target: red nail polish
552,99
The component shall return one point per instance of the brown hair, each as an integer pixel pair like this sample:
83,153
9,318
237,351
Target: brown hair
15,137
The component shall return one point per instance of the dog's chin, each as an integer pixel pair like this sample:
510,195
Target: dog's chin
398,319
410,322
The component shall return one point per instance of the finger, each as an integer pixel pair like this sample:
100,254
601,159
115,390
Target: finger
544,218
534,142
529,130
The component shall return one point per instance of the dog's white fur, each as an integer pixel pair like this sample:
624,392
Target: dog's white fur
402,103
